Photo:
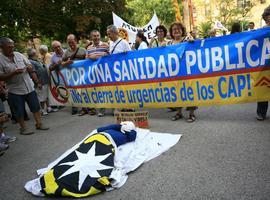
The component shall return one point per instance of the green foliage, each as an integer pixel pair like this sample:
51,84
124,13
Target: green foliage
55,18
229,11
12,23
243,24
140,11
204,29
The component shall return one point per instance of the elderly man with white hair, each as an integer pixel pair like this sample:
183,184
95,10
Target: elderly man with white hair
57,56
117,44
42,87
55,66
45,55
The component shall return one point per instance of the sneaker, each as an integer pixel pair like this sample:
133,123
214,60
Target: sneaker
49,110
260,118
44,113
101,114
82,112
55,109
42,127
26,131
92,111
7,139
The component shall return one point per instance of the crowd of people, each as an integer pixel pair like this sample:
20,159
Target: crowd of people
26,79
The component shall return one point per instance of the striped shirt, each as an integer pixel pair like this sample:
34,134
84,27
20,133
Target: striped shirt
102,49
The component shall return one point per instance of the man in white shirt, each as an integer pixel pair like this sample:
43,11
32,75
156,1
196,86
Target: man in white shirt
117,44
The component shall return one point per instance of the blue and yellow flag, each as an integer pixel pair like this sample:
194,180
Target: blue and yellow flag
224,70
83,172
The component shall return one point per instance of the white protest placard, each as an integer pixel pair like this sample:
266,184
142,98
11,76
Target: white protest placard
149,29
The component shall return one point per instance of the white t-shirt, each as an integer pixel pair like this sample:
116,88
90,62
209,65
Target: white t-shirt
119,46
143,45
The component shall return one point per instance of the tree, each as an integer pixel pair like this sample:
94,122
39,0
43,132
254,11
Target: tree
12,20
204,29
53,18
140,11
73,16
232,11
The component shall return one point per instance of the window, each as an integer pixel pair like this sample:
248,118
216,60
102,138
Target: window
244,3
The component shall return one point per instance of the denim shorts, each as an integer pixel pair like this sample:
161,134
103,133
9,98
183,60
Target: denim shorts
17,102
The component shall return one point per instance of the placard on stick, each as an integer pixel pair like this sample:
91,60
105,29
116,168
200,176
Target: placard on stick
139,118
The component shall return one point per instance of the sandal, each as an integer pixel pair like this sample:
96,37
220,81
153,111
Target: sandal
172,109
177,116
92,111
82,112
191,118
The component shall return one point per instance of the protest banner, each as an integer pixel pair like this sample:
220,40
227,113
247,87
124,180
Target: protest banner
149,29
139,118
58,93
224,70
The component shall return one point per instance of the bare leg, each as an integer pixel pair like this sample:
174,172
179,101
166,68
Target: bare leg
179,111
37,117
47,103
39,125
178,114
192,116
21,122
191,112
42,104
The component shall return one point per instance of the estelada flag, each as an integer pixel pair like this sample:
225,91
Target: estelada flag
83,172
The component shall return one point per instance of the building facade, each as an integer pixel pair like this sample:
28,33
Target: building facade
205,10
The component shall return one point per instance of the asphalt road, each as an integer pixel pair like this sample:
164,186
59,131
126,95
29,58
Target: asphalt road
225,154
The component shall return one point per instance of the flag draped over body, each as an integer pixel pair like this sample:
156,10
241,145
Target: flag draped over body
97,164
84,171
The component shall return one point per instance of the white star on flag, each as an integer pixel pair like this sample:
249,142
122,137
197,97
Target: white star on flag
87,164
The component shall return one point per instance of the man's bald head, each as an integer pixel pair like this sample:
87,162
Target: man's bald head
72,42
57,48
71,37
55,43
